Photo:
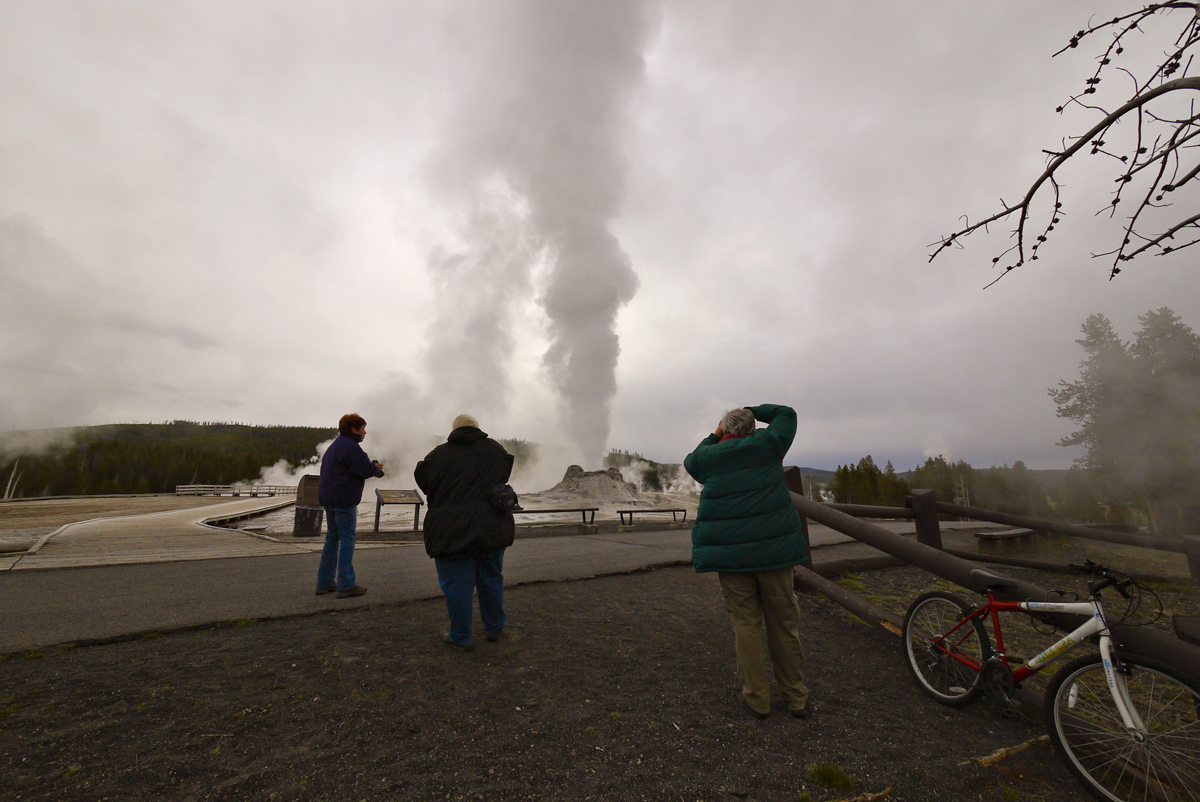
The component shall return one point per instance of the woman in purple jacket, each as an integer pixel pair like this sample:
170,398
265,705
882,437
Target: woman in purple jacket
344,469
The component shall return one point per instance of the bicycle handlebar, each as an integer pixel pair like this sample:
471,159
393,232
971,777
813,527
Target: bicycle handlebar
1108,577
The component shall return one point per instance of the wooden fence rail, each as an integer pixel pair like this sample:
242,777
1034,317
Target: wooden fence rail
1074,530
1140,640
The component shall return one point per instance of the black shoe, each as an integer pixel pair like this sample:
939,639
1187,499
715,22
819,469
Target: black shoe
753,712
800,713
323,591
462,647
494,636
357,590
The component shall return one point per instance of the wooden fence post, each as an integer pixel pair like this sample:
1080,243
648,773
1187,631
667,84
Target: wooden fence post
1178,521
1185,526
924,507
795,483
807,545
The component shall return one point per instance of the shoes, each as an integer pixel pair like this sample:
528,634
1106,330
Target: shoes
753,712
323,591
800,712
462,647
357,590
494,636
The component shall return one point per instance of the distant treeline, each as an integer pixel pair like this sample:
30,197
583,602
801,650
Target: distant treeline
155,458
1071,495
152,457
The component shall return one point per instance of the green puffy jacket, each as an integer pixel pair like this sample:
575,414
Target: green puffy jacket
746,521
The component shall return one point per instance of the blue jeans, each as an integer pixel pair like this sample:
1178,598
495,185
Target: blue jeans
340,537
458,578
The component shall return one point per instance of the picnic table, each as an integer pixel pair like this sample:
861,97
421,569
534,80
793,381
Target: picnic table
1006,534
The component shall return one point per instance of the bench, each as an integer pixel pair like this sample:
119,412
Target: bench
399,497
1007,534
673,510
588,513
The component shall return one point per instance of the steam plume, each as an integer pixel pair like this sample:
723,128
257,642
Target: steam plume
535,164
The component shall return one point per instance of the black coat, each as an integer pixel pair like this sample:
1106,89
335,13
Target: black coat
456,478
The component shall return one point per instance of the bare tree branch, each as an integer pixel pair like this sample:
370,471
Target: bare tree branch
1161,144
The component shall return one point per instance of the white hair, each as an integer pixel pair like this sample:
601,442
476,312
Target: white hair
738,421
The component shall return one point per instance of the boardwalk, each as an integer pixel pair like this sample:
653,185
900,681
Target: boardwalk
157,537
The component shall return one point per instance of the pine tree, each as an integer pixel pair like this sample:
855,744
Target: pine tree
1138,408
1099,398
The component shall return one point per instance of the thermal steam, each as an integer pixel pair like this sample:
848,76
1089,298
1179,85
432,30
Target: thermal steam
534,163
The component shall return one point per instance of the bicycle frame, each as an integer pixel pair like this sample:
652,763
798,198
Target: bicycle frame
1094,625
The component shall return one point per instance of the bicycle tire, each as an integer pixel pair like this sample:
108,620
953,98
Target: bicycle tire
939,675
1090,737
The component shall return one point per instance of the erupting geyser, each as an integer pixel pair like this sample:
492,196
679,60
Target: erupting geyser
533,167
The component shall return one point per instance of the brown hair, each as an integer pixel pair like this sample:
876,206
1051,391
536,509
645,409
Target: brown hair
350,422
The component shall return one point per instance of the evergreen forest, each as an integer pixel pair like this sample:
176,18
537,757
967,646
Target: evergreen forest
150,457
1068,495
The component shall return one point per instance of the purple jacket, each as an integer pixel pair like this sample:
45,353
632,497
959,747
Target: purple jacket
344,468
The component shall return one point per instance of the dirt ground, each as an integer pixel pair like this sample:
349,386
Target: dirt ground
620,687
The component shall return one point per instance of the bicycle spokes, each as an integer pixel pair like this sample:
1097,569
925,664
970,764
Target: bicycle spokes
1159,760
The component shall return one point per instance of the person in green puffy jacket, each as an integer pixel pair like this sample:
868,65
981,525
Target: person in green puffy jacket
749,533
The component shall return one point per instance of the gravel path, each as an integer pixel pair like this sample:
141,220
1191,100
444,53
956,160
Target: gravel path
620,687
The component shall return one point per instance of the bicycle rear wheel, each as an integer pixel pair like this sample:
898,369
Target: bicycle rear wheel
1161,764
946,671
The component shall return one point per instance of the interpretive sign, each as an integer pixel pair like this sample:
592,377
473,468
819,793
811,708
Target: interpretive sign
399,497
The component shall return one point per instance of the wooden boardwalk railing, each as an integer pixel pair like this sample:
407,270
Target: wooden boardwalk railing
235,490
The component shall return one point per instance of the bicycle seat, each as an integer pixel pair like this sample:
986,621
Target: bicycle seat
991,581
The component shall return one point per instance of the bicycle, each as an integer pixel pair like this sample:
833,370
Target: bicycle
1128,727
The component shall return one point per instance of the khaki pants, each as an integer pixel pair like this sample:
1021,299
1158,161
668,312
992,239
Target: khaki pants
751,599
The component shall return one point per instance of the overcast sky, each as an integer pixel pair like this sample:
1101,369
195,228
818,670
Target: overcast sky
588,224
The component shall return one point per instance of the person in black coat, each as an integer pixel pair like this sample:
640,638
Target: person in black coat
464,534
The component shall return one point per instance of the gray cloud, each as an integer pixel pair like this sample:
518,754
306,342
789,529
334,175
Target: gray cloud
614,220
189,338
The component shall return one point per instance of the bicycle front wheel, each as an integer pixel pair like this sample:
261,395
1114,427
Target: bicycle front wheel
1161,763
946,667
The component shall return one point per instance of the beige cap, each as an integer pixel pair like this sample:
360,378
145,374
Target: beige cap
465,420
